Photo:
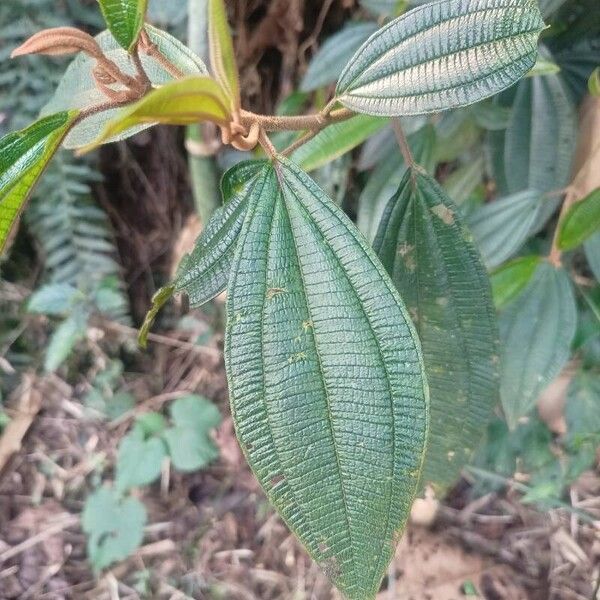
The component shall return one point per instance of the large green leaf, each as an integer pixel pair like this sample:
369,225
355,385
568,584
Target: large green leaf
442,55
432,261
336,140
125,19
326,379
536,331
501,227
536,149
77,89
581,221
328,62
205,272
386,177
23,157
181,102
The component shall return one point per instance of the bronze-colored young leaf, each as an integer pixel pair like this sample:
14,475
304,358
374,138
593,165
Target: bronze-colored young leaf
125,19
59,41
435,266
326,379
222,57
181,102
23,157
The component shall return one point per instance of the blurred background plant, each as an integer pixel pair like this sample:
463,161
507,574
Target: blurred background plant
103,233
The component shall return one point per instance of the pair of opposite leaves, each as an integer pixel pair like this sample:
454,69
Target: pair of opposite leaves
327,382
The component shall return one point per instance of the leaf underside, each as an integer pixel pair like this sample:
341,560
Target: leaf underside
431,258
205,272
77,88
23,157
326,379
536,331
442,55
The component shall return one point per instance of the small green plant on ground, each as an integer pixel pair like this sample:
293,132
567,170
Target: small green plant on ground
363,363
112,518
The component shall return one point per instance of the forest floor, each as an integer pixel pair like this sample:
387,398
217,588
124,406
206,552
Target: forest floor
212,534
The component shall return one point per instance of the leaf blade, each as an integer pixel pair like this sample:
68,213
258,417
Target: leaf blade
182,102
278,308
204,273
222,56
581,222
432,53
436,268
23,157
536,331
125,19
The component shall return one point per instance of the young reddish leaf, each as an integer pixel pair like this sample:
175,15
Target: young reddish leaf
23,157
59,41
125,19
181,102
222,57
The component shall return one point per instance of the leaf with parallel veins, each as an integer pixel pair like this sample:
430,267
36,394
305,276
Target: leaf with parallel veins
204,273
431,259
326,378
442,55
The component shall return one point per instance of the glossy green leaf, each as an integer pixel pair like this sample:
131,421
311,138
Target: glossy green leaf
326,379
511,279
431,258
77,88
386,177
442,55
536,331
182,102
222,56
204,273
456,132
336,140
580,222
23,157
328,62
536,149
501,227
592,253
125,19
